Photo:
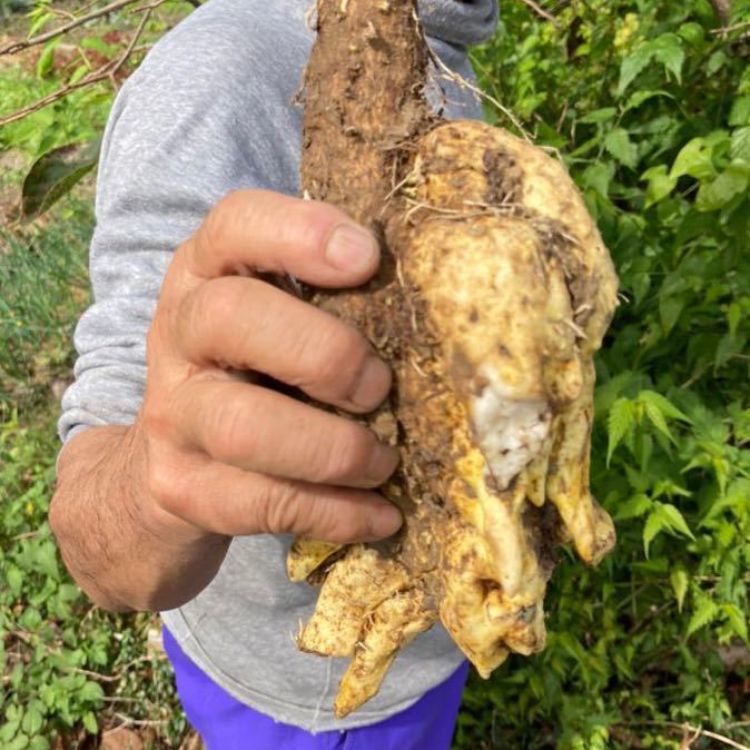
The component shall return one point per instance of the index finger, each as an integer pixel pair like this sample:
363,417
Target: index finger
260,231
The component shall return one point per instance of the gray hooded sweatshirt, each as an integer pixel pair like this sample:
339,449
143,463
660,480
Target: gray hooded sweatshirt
209,111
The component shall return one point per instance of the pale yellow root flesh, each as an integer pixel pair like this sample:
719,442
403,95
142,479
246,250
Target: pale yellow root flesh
306,556
518,290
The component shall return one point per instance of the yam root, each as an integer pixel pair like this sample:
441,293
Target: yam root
494,294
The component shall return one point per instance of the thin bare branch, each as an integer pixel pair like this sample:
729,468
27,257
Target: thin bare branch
14,47
131,722
734,27
463,83
698,731
103,73
148,6
547,16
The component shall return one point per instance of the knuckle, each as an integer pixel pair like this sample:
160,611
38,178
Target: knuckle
216,228
211,233
209,308
156,418
335,358
312,224
224,213
281,510
347,454
334,523
164,485
227,428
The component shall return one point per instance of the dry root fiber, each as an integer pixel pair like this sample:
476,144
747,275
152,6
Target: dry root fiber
495,293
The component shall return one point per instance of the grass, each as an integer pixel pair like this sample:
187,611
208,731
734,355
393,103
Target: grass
43,276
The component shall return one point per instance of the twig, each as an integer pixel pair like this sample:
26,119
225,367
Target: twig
541,12
734,27
130,721
699,731
719,738
63,13
14,47
26,535
95,675
148,6
106,71
461,81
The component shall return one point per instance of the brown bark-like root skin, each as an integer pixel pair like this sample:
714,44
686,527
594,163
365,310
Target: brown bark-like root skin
497,293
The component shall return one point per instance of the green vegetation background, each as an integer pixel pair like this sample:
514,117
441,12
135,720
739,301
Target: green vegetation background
650,109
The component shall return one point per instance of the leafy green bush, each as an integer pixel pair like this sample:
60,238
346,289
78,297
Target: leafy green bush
652,110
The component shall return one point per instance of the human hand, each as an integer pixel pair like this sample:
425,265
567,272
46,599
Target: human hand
223,454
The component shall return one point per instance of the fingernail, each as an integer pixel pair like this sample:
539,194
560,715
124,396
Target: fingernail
386,521
374,384
352,248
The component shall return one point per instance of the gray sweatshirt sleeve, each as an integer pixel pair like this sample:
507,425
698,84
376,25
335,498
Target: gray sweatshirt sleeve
204,114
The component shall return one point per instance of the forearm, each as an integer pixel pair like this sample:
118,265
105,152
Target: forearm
122,552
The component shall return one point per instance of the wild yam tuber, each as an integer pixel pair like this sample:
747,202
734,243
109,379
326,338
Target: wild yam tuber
494,294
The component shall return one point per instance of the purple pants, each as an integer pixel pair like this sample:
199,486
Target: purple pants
226,724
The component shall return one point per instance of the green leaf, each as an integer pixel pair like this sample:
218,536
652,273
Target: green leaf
657,419
14,578
632,66
705,611
618,143
667,49
634,507
92,692
654,526
54,174
620,422
679,580
41,20
694,159
89,723
640,97
716,62
667,408
598,177
77,74
660,184
740,112
670,309
607,392
599,115
737,619
734,317
733,181
740,148
674,520
21,742
46,59
664,517
692,33
32,721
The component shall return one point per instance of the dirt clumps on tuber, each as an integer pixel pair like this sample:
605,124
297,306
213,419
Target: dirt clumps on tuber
494,294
